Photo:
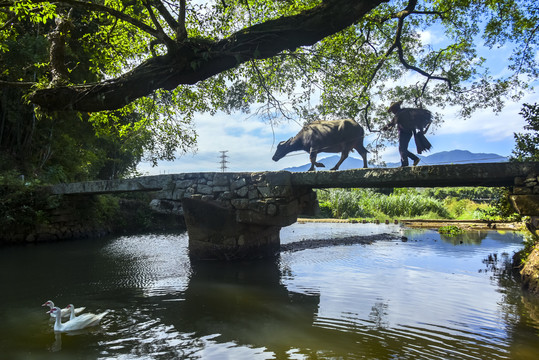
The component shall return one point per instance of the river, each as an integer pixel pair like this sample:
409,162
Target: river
430,297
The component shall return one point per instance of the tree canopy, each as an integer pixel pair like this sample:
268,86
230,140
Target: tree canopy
527,144
298,58
351,49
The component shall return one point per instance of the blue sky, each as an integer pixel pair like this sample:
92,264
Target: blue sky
251,142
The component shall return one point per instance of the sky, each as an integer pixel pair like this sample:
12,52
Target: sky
250,141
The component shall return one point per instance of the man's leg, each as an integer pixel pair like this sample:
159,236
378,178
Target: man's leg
404,139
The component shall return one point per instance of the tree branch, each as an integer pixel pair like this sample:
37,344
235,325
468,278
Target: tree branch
57,49
166,15
196,60
162,36
379,66
9,22
401,16
403,61
181,29
17,84
272,100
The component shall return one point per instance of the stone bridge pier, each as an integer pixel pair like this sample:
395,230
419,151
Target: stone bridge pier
235,215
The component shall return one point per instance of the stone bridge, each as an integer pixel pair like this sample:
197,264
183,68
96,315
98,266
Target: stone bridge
239,215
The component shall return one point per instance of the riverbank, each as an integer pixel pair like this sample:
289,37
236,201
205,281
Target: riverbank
465,224
530,270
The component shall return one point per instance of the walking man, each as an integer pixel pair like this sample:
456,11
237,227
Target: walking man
410,122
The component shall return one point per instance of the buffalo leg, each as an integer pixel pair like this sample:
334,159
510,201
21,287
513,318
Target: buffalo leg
344,155
363,152
312,156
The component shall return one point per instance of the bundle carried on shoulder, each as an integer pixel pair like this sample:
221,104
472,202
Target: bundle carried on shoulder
421,142
414,119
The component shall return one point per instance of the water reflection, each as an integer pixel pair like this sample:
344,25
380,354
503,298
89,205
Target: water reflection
245,303
467,238
57,345
409,301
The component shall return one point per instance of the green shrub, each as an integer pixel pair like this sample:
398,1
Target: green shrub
366,203
23,203
414,203
450,230
472,193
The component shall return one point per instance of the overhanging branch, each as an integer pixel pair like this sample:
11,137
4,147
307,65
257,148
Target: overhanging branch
165,14
17,84
193,61
397,44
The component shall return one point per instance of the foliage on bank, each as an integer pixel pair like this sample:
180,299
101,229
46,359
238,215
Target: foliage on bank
29,213
368,203
527,143
527,149
528,261
449,203
23,204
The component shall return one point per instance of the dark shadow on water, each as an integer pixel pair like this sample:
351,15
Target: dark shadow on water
243,303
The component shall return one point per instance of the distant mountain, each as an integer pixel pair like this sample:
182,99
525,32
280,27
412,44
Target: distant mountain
443,157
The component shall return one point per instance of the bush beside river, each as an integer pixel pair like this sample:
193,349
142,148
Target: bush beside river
452,203
28,213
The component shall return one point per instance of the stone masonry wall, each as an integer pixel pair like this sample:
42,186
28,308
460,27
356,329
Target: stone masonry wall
71,219
525,196
527,185
265,198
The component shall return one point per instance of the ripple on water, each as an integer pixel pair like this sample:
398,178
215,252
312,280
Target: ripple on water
424,297
159,264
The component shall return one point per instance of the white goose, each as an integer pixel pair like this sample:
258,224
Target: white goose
65,312
78,323
72,311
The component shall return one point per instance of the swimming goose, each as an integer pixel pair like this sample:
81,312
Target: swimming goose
65,312
78,323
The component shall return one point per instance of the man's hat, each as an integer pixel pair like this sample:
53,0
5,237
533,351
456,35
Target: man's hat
395,107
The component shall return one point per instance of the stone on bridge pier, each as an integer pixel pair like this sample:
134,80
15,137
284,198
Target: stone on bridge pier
240,215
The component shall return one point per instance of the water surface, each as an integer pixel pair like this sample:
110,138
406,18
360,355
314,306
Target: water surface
430,297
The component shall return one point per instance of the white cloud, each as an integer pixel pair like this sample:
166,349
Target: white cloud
250,143
488,125
432,38
426,37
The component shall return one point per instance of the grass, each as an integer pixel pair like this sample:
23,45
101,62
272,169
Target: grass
400,203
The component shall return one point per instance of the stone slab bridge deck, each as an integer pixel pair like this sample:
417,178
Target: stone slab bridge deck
239,215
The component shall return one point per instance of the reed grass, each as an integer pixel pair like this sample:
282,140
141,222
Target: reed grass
367,203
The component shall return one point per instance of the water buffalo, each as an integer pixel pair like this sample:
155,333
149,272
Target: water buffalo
332,136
